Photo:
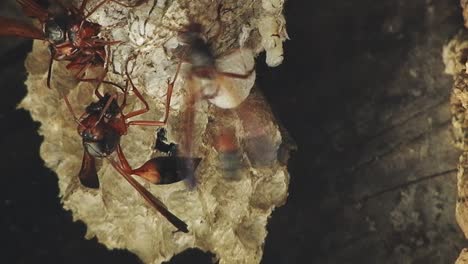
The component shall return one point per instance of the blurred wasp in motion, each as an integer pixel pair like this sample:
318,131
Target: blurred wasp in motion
101,127
230,154
207,78
246,137
71,37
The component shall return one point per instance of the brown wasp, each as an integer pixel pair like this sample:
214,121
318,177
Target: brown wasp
205,80
230,154
71,37
246,137
101,127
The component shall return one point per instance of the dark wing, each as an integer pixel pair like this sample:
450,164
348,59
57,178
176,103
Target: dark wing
88,176
32,9
151,199
187,144
11,27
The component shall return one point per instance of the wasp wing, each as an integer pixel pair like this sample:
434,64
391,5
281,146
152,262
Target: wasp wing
190,136
32,9
88,175
14,28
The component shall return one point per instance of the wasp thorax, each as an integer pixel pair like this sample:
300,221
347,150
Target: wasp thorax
55,29
101,140
78,32
96,108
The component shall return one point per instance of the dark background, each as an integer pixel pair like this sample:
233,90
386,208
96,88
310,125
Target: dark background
344,58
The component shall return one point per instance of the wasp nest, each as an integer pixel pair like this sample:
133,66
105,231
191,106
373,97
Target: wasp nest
226,217
455,55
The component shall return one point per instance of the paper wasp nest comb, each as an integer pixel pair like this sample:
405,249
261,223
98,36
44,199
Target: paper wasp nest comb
225,217
455,55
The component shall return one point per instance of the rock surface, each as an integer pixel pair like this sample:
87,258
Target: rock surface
455,58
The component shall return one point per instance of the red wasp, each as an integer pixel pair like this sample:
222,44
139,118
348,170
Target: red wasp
70,35
101,127
205,80
230,155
